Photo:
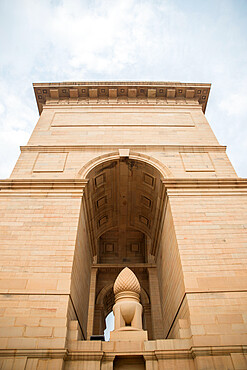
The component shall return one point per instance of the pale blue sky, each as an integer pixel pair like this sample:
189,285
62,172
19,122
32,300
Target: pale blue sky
173,40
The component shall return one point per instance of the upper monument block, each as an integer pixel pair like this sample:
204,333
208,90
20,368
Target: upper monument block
121,92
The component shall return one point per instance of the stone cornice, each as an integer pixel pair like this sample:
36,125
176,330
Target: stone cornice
205,183
205,187
97,351
70,148
111,91
75,187
194,352
38,353
42,187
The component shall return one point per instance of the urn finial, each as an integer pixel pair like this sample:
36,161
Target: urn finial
126,281
127,309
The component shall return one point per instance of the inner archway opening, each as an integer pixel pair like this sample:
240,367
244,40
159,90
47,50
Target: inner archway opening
109,322
123,200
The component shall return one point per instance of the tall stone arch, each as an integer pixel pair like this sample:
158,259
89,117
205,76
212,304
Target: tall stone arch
122,174
122,203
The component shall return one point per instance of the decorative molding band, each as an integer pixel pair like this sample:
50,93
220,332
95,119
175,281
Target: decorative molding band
194,352
34,353
42,187
218,350
111,92
120,83
93,355
72,148
217,183
205,187
173,354
187,352
123,103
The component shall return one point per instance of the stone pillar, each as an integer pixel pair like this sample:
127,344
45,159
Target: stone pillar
99,320
148,320
156,314
91,303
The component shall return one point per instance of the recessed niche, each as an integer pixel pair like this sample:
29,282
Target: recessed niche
101,201
103,220
99,180
146,201
148,179
144,220
109,247
135,247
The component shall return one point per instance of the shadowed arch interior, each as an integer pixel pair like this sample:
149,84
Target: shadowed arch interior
123,201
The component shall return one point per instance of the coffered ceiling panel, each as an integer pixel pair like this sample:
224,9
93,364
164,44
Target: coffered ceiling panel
123,201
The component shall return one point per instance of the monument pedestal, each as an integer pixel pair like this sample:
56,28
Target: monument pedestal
128,334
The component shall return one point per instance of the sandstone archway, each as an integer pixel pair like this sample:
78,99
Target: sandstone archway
123,202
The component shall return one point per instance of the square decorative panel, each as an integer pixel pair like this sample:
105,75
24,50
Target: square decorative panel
134,247
50,162
148,179
103,220
146,201
197,162
109,247
144,220
99,180
101,201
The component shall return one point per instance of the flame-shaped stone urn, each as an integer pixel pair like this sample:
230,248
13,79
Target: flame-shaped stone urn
127,309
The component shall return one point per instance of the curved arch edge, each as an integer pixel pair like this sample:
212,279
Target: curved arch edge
89,166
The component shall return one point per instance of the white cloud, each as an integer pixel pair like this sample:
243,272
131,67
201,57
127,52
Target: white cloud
235,104
124,40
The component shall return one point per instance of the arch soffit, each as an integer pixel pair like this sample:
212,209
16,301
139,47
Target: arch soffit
89,166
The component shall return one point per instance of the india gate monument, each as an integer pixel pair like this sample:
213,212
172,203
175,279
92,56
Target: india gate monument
123,200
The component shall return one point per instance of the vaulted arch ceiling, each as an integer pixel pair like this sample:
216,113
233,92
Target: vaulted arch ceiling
123,202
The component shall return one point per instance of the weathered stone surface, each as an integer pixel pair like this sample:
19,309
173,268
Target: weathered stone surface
115,175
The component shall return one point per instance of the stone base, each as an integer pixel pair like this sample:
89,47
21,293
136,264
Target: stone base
128,334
